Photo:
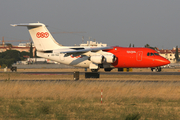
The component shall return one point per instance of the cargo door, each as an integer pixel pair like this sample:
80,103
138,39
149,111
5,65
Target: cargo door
61,56
139,55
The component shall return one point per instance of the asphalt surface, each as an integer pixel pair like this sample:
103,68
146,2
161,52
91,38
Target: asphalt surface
101,73
109,73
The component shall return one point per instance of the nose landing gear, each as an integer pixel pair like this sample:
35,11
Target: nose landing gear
157,69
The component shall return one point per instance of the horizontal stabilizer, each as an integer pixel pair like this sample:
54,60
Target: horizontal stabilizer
28,24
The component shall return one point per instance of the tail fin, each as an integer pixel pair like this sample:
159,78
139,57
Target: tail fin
41,37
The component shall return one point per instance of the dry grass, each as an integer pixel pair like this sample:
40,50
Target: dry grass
81,99
86,90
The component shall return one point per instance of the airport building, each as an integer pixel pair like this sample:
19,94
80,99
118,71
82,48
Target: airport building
91,43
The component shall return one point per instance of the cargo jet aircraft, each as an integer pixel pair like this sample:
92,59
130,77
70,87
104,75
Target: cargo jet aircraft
92,57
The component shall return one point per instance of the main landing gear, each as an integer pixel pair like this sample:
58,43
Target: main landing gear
105,69
94,70
157,69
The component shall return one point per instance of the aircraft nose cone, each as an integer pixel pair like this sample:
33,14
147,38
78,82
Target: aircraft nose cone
167,62
163,61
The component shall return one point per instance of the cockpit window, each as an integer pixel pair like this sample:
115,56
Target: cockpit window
152,54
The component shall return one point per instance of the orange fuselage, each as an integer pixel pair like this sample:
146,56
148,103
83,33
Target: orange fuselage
137,57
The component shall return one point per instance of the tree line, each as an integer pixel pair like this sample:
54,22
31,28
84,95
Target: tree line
9,57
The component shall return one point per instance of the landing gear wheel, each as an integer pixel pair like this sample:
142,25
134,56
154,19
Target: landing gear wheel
107,69
94,70
157,69
153,69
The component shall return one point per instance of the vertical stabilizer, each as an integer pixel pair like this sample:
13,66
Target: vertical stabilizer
41,37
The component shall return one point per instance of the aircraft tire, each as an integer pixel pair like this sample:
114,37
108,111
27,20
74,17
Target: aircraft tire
153,69
107,69
94,70
158,69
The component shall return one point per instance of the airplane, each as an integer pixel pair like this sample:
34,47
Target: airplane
94,58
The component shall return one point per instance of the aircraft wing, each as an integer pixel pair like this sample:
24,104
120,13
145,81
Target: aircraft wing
84,50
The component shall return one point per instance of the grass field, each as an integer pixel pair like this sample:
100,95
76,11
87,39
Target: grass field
82,99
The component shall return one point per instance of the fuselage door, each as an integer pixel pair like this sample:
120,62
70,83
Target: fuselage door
139,55
61,56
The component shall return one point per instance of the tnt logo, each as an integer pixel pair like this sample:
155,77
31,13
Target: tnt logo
76,56
42,34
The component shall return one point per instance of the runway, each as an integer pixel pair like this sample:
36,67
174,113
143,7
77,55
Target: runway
107,73
169,77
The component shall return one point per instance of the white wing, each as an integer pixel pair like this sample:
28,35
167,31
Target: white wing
84,50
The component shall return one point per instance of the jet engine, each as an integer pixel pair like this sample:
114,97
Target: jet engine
98,59
110,58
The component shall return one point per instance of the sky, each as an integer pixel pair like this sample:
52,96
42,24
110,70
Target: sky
115,22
